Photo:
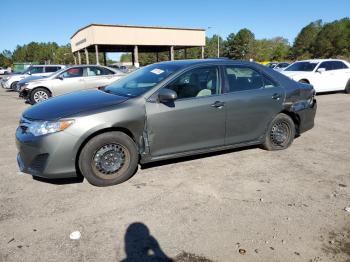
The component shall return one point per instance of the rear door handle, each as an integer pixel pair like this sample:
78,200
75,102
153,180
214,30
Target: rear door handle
218,104
276,96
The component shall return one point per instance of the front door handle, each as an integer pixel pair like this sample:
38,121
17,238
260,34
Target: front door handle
218,104
276,96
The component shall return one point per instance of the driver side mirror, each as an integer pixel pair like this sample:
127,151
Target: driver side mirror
60,77
166,95
321,70
29,73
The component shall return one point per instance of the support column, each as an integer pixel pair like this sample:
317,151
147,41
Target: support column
104,59
75,59
97,57
185,52
87,56
136,56
202,52
172,53
157,55
79,58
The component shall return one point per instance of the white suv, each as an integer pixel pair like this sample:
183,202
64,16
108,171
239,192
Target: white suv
324,74
10,81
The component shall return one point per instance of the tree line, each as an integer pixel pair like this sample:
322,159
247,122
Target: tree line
315,40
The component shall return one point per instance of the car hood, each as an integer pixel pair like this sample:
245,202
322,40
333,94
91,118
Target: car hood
32,79
72,104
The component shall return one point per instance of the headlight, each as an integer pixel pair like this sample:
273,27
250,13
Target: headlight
39,128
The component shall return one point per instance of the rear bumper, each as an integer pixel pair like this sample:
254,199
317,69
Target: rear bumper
307,117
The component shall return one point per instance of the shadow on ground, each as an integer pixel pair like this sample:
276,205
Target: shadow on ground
141,246
194,157
60,181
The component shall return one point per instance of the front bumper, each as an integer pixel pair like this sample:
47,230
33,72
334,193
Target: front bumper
49,156
24,93
5,84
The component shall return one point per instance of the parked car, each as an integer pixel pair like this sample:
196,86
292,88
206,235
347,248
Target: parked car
279,66
68,80
3,71
26,80
10,81
165,110
324,74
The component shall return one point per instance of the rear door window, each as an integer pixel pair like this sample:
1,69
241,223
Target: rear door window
241,78
97,71
339,65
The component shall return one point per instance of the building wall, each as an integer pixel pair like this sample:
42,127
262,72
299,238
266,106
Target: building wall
119,35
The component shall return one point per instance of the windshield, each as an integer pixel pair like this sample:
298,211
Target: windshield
142,80
271,65
302,66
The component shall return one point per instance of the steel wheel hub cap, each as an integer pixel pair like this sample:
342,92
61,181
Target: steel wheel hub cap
109,159
279,133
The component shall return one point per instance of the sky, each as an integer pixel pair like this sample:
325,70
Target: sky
56,21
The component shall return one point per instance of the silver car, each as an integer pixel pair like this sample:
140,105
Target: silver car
71,79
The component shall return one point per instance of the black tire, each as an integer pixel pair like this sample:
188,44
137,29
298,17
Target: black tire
38,95
109,159
280,133
304,81
13,86
347,87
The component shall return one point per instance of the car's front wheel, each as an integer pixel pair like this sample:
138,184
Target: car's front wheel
108,159
14,86
39,95
347,88
280,133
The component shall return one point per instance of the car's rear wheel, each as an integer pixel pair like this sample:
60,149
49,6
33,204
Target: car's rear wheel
280,133
39,95
14,86
108,159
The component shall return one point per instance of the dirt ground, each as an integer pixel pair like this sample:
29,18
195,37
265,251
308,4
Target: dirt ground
239,205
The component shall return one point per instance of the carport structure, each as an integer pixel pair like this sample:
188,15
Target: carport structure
102,38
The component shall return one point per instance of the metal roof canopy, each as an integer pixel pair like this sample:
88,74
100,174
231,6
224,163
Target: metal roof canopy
127,38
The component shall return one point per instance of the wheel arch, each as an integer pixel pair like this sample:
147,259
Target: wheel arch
304,80
296,119
99,132
43,87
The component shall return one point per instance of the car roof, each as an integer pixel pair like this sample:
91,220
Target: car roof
319,60
47,65
190,62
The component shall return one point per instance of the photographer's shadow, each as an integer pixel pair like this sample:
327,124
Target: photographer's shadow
140,245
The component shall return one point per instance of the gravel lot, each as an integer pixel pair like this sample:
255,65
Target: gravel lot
240,205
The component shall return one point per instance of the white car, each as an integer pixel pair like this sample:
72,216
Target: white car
68,80
10,81
3,71
324,74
